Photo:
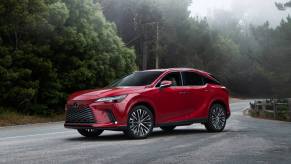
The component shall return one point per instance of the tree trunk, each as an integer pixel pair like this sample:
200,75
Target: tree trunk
16,40
144,48
144,56
157,46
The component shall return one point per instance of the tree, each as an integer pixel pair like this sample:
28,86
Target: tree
240,54
50,48
275,55
25,72
283,6
136,23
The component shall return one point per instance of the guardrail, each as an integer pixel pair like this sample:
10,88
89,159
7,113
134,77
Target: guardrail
274,106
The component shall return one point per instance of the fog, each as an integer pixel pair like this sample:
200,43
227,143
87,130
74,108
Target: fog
251,11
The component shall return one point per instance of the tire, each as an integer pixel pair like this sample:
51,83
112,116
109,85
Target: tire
216,118
90,132
167,128
140,122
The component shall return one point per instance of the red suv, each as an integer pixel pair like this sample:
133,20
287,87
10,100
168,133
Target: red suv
137,103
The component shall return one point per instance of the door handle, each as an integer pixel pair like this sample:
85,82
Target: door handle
206,90
184,92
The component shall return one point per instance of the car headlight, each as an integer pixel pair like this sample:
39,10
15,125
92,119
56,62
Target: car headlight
112,99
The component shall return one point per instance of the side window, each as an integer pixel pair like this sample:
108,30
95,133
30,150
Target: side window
210,81
174,77
216,81
192,79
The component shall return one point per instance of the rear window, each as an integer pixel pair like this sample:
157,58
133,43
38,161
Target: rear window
192,79
212,81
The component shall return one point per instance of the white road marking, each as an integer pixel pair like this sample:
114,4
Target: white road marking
33,124
33,135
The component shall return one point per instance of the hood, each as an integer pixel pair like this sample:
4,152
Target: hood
106,92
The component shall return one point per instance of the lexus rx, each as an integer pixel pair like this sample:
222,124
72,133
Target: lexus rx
137,103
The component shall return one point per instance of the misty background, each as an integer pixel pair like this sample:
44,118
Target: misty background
254,12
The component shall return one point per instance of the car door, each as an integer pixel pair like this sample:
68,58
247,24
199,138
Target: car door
171,100
198,94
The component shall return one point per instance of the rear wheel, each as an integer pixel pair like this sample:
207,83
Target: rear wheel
216,119
90,132
167,128
140,122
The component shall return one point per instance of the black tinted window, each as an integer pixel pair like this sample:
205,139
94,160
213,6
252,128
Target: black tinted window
192,79
210,81
138,79
175,77
215,80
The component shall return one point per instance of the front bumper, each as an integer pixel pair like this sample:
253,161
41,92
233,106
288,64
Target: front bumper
100,115
109,126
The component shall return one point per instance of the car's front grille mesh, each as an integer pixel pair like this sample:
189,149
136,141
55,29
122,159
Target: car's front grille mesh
77,115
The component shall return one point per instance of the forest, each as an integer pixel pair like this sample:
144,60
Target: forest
51,48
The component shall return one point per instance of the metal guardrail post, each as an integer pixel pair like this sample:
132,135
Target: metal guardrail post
275,110
257,109
264,106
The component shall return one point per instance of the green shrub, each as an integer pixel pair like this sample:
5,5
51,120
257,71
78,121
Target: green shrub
53,48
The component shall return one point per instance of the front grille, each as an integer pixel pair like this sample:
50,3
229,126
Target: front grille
77,115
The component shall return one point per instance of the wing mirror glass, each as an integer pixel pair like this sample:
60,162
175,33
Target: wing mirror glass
165,84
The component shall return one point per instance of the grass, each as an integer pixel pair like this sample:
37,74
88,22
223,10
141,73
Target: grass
8,118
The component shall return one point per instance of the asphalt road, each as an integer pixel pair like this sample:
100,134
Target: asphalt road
245,140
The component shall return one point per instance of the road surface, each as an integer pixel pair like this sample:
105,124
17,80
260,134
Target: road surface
245,140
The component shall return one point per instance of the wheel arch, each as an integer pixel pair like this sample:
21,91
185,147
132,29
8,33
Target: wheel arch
221,102
146,104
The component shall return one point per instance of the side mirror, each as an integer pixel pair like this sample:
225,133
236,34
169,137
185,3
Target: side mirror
165,84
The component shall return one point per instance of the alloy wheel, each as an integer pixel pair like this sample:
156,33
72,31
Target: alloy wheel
216,119
140,122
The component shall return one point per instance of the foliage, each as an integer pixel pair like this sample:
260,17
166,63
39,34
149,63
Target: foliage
275,55
251,61
49,48
283,6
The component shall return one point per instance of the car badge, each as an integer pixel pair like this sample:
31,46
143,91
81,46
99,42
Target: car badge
76,105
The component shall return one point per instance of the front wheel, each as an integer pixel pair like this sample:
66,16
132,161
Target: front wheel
140,122
90,132
216,119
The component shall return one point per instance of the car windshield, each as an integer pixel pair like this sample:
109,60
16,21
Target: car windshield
138,79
